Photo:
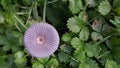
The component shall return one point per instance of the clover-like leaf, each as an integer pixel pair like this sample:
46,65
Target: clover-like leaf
77,43
66,48
91,63
104,7
65,59
92,50
96,36
111,64
53,63
75,6
37,65
84,34
75,24
66,37
80,54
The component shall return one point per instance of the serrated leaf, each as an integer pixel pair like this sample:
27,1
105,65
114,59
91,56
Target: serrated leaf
20,62
83,65
97,25
37,65
75,6
66,48
92,50
43,60
91,63
76,42
66,37
91,3
84,34
73,64
75,24
111,64
96,36
80,54
104,7
65,59
19,54
53,63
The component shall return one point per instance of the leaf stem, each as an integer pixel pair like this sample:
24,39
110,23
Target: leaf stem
35,12
44,11
68,55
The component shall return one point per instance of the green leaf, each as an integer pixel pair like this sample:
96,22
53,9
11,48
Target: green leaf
76,42
75,24
84,65
65,59
104,7
75,6
37,65
6,47
116,3
19,54
9,18
96,36
2,19
53,63
17,34
73,64
91,3
92,50
84,34
20,62
91,63
116,53
111,64
80,54
43,60
66,48
66,37
117,10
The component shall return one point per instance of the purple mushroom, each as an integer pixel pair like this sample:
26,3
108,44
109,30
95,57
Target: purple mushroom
41,40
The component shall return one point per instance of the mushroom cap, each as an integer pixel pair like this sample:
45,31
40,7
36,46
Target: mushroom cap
41,40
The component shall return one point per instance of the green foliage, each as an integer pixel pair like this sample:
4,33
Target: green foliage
89,33
75,6
75,24
111,64
84,34
77,43
104,7
37,65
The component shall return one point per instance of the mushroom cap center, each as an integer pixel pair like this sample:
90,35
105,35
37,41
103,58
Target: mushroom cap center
40,40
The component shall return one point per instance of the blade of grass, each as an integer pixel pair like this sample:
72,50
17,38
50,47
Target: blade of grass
97,43
20,21
52,1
